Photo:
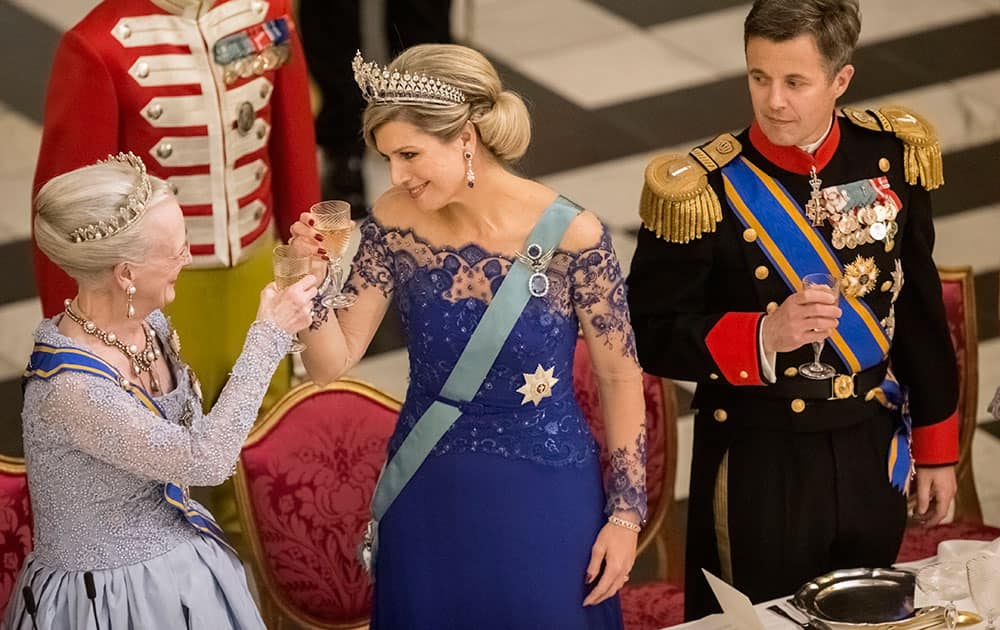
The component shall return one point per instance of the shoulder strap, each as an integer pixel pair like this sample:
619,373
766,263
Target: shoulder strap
475,361
677,203
921,148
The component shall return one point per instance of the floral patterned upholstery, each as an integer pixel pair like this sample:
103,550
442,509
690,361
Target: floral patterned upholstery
15,525
960,309
658,604
652,606
305,480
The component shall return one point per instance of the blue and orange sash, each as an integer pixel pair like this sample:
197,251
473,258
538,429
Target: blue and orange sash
47,361
797,249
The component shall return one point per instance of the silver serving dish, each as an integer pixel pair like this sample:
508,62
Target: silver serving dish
862,598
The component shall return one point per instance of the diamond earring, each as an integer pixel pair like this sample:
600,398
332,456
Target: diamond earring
470,175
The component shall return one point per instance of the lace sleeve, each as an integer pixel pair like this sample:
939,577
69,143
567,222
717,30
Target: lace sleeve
598,295
106,422
372,265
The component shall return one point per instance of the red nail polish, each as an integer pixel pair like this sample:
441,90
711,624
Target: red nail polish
321,251
326,258
318,237
312,222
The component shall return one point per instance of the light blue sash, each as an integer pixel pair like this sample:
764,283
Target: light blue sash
469,372
46,361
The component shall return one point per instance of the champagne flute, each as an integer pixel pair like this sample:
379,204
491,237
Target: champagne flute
333,220
947,581
816,370
984,584
289,268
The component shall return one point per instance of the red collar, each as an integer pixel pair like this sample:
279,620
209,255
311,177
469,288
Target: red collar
794,159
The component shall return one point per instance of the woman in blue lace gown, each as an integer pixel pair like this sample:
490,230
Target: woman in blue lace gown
506,524
113,424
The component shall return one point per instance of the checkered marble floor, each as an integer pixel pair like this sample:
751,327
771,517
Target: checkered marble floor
610,83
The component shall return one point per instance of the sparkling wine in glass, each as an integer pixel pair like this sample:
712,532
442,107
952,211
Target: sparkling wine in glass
332,219
984,585
816,370
947,581
289,268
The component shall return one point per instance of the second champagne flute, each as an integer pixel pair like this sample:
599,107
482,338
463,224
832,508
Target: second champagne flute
333,220
816,370
289,269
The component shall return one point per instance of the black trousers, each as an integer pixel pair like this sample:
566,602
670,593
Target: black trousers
772,509
331,34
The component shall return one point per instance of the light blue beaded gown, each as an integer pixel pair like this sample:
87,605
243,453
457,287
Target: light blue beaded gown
97,462
495,529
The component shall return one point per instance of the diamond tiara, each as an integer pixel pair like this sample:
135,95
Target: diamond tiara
134,208
379,85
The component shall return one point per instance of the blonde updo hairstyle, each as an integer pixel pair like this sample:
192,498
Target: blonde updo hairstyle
86,196
500,116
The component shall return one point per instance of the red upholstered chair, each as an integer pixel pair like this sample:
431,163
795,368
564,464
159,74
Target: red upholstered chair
652,605
15,525
960,307
303,486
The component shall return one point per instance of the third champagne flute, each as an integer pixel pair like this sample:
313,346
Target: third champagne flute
816,370
333,220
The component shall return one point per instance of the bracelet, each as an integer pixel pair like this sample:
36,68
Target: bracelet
620,522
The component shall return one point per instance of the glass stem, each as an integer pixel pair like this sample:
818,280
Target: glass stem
950,616
817,350
336,276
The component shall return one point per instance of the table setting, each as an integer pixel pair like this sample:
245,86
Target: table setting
957,588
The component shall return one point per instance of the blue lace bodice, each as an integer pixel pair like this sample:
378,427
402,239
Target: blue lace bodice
442,292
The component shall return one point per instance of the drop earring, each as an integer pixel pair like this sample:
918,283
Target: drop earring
129,294
470,175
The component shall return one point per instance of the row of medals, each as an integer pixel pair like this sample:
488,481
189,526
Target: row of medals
864,226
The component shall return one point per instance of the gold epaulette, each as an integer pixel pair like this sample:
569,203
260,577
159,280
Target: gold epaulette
677,203
921,148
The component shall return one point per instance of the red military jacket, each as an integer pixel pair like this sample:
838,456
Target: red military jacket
142,76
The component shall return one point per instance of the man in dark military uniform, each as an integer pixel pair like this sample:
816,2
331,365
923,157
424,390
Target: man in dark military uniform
793,476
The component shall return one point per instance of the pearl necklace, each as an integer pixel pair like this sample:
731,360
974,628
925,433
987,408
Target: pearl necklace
140,361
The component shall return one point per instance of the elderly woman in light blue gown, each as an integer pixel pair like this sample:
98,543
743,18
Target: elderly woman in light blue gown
113,424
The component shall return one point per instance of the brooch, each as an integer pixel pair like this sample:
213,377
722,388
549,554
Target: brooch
537,260
538,385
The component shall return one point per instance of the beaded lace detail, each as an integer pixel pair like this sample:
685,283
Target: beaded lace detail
442,293
97,459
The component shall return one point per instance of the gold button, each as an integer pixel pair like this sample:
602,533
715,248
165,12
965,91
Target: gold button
164,150
154,111
798,405
749,235
791,372
743,374
264,90
713,376
771,307
761,273
883,165
142,70
720,415
886,285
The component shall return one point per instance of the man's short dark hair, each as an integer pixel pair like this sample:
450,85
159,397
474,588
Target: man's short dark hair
834,24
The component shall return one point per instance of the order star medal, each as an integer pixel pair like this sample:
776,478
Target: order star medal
538,385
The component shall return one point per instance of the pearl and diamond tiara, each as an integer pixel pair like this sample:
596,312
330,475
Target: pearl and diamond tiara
379,85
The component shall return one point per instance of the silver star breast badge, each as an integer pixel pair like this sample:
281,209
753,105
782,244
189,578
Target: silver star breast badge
538,385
